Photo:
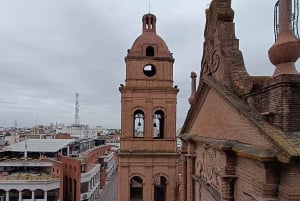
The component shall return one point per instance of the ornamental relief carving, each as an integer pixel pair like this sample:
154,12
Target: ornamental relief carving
211,59
206,168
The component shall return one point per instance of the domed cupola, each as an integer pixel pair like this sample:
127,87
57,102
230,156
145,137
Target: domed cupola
149,44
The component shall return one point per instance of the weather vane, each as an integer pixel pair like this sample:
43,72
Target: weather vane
149,6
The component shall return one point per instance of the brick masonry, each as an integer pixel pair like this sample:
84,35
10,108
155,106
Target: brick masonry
239,127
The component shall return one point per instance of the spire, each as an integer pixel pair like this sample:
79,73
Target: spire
149,23
286,49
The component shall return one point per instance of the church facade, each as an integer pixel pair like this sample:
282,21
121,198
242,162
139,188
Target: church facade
148,155
241,136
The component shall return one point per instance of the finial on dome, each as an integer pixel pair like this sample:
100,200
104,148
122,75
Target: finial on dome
286,49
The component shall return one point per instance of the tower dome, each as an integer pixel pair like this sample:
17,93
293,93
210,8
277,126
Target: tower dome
149,43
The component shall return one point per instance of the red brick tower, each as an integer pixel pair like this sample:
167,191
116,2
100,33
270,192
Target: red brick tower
148,157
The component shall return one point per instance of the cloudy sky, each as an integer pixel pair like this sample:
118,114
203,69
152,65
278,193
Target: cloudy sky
51,49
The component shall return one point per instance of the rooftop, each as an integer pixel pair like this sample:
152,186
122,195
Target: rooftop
39,145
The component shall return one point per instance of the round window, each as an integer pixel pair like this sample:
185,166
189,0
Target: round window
149,70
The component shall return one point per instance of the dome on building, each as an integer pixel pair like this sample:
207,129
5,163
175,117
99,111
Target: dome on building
149,43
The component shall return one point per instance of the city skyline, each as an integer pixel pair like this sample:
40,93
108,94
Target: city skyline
52,49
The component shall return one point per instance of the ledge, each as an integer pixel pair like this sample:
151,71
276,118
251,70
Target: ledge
245,150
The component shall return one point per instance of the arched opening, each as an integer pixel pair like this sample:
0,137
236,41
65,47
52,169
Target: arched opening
2,195
70,189
39,194
136,189
149,51
66,188
138,124
13,195
149,70
53,194
26,194
160,188
75,189
158,124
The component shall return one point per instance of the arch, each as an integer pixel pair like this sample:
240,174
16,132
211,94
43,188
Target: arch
136,188
39,194
66,188
158,124
26,194
75,189
160,188
149,51
69,194
2,194
138,124
13,195
53,194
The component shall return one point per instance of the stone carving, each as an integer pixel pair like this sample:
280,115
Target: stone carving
206,168
221,57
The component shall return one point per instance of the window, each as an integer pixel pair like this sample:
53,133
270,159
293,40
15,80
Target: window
136,189
158,124
138,124
160,186
149,51
149,70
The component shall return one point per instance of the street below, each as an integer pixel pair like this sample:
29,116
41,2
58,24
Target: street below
110,190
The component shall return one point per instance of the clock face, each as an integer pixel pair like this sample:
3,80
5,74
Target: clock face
149,70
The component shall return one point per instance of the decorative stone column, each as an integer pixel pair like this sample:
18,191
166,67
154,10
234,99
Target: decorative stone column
45,195
7,196
32,194
20,195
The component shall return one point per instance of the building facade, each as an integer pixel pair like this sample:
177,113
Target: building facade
46,170
148,157
241,137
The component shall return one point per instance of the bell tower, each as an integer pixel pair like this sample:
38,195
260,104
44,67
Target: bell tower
148,156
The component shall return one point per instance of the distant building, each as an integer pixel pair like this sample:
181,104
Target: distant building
54,169
78,131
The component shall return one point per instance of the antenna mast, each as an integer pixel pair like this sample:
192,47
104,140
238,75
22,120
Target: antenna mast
76,118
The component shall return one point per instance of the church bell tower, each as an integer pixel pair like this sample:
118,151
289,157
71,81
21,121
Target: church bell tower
148,156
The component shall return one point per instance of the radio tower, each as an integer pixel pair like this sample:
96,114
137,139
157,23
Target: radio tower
76,118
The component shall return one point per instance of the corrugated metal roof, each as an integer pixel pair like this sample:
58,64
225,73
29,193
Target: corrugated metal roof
39,145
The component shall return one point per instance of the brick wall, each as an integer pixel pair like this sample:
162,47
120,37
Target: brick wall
72,175
279,101
219,120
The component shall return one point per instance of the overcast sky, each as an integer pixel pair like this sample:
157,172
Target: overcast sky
51,49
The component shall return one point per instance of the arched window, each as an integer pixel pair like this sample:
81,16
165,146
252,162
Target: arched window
160,188
158,124
26,194
138,124
149,51
39,194
14,195
136,189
